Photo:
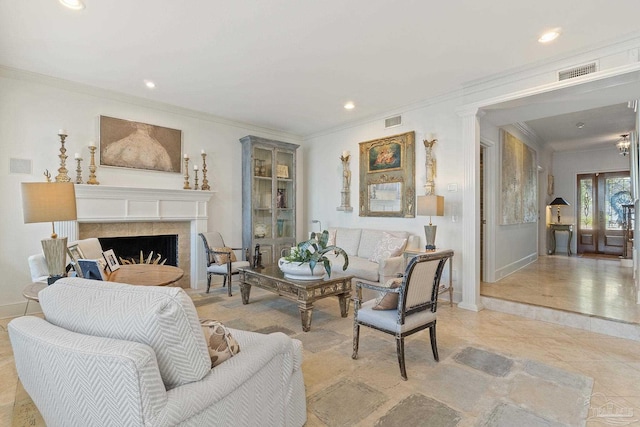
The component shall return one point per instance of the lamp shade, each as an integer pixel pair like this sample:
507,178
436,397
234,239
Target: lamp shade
559,201
48,201
431,205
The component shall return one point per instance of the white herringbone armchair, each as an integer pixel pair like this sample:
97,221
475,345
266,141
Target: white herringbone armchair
110,354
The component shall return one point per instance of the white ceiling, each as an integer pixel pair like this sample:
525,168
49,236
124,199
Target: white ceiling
290,65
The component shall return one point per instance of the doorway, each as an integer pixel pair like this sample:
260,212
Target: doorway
601,197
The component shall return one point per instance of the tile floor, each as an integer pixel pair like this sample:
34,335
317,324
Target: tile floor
591,286
613,363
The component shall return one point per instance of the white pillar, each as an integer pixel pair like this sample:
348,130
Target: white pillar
471,212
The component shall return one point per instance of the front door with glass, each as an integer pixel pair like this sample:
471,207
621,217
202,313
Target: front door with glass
601,216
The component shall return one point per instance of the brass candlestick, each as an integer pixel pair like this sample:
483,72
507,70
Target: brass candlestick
186,186
62,170
205,182
78,171
195,185
92,166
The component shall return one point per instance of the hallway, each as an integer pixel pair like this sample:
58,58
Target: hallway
594,287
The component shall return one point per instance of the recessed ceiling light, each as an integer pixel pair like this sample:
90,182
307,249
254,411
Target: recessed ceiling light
349,105
73,4
579,125
149,84
549,36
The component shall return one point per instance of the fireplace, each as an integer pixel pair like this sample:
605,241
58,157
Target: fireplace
161,249
105,211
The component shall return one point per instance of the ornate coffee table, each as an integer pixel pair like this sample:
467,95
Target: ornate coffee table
304,292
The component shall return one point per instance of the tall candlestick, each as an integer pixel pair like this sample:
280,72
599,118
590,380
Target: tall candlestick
92,165
78,169
205,182
186,186
195,185
62,170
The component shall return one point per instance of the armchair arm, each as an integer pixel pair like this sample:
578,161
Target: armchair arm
359,285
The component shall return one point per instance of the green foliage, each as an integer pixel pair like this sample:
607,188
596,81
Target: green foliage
315,251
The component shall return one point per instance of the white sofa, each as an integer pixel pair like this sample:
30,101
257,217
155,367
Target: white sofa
115,354
361,244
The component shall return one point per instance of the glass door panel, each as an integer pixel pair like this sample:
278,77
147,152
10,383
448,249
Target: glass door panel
262,194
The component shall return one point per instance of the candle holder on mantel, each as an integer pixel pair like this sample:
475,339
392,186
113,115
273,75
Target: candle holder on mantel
195,171
79,170
186,186
92,166
205,182
346,182
62,170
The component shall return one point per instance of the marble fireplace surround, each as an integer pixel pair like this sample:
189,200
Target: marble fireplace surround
105,211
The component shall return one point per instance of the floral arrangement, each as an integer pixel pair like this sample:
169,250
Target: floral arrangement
314,251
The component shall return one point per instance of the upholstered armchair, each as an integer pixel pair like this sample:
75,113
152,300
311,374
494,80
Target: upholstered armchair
407,306
221,259
111,354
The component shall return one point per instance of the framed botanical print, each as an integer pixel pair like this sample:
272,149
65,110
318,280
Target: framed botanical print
387,176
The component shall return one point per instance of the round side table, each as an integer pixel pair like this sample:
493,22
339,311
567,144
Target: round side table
30,292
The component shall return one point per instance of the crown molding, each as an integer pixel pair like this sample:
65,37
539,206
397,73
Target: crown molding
29,76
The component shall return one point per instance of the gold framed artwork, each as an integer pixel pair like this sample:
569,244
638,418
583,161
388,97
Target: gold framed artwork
282,171
387,176
136,145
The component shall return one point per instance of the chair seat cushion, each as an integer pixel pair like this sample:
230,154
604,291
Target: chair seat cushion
164,318
388,319
222,269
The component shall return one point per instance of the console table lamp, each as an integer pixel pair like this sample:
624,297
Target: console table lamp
430,205
49,202
557,202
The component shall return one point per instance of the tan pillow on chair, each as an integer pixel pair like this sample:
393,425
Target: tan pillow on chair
223,258
389,300
220,342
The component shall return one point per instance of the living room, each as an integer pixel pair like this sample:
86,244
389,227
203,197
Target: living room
35,105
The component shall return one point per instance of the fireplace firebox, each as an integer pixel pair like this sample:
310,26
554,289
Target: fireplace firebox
130,247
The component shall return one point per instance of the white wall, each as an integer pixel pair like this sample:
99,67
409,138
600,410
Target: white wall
515,245
567,165
31,112
324,175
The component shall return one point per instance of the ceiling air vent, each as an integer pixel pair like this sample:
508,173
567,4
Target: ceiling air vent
392,122
581,70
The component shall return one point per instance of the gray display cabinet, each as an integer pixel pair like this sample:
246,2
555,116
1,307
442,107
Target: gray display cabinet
268,196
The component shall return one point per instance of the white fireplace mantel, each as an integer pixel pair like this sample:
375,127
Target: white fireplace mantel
100,204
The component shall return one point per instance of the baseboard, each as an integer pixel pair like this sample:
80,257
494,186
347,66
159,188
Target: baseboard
17,309
515,266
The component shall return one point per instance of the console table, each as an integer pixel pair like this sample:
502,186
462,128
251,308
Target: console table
561,227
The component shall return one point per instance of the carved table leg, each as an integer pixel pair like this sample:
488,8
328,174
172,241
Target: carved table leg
344,299
306,311
245,290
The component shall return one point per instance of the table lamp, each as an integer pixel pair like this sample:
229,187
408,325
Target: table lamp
430,205
557,202
49,202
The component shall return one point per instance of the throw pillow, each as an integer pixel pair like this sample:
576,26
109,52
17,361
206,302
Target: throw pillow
389,300
388,247
220,342
224,258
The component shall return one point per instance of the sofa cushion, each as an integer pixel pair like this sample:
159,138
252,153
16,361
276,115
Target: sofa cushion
348,239
162,317
368,241
358,267
389,246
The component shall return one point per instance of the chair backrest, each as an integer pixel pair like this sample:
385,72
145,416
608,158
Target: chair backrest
419,290
212,239
38,268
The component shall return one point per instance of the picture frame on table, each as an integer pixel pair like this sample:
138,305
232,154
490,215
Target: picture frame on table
91,269
111,260
75,253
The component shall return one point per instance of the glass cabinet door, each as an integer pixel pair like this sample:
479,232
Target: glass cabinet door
262,193
285,197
